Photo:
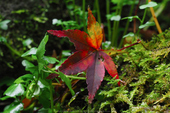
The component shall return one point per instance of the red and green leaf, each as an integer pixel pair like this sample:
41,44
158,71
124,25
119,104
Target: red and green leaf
89,57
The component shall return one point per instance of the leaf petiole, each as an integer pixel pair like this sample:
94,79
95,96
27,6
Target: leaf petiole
68,76
138,41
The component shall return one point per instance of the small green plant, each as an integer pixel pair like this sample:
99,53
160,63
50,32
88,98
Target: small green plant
33,85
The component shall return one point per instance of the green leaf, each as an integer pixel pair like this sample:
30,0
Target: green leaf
40,84
150,4
115,18
36,91
27,42
44,98
32,51
106,45
70,6
66,53
115,1
109,16
27,64
2,39
130,18
41,48
15,90
24,78
3,24
40,52
50,60
32,90
33,70
19,80
147,24
56,21
4,98
129,35
41,19
45,110
20,11
130,2
103,104
67,81
43,83
15,107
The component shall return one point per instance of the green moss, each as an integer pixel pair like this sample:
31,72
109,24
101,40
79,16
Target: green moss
146,73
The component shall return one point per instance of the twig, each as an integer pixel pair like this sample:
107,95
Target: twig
155,19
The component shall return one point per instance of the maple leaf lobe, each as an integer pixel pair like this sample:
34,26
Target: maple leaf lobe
94,30
95,74
77,37
91,18
77,62
109,64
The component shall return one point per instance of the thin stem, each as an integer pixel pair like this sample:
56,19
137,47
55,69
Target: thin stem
36,86
63,27
13,50
75,15
84,21
98,12
51,97
138,41
56,84
134,20
72,77
127,23
17,53
114,32
108,20
89,108
57,80
116,25
144,15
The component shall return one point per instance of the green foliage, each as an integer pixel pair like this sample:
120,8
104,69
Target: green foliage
147,24
67,81
15,90
2,39
115,18
35,84
130,18
67,24
150,4
40,53
32,51
130,34
3,24
20,11
14,107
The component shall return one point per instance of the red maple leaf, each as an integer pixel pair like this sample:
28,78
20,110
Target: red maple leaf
89,56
